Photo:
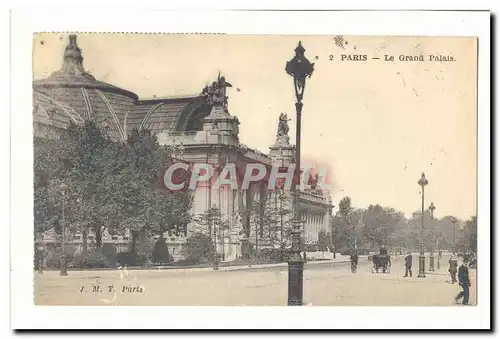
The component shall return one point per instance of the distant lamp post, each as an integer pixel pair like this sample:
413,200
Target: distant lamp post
431,258
421,258
438,246
454,222
299,68
64,259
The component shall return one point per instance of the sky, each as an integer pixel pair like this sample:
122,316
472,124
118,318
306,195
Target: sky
376,124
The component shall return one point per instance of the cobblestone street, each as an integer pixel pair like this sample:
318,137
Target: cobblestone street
325,284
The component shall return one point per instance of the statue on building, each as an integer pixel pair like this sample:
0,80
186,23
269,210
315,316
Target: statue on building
215,126
215,94
237,225
283,125
282,133
313,181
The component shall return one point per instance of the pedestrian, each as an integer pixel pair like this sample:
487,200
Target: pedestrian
383,250
453,268
408,263
354,260
464,282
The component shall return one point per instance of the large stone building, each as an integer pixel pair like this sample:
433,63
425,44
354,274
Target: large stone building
199,126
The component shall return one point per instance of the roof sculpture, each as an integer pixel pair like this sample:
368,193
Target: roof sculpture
74,95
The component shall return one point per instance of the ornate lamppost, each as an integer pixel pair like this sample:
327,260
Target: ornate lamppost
299,68
431,258
64,262
421,258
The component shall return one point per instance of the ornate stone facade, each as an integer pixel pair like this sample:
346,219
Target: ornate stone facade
200,127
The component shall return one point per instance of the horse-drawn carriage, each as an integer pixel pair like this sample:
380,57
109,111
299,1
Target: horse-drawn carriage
381,262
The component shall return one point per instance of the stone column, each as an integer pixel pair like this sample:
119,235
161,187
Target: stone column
317,226
307,226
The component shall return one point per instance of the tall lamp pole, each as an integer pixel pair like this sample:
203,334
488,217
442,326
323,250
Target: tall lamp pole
431,258
64,262
299,68
421,258
454,221
439,251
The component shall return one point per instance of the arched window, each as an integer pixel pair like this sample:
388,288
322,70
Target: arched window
195,123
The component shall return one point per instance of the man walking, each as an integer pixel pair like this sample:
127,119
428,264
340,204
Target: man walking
408,263
464,282
354,260
453,268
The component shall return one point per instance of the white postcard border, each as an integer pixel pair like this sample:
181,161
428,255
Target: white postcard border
27,316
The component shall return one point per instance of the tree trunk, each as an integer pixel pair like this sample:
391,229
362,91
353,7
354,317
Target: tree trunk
98,236
84,241
133,244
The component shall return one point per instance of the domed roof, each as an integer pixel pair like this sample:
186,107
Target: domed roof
82,95
72,73
73,95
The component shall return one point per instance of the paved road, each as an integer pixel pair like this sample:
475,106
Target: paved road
329,284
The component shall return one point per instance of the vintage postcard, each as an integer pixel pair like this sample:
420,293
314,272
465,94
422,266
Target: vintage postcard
248,167
165,170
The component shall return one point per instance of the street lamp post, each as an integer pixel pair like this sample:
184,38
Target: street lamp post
64,263
431,257
421,258
438,252
299,68
454,220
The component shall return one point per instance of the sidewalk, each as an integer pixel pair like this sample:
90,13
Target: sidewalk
96,273
330,285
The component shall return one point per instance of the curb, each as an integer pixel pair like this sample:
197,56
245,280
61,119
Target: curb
94,274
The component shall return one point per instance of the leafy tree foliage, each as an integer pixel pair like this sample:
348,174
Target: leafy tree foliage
324,241
378,225
468,236
199,248
277,215
212,223
105,185
160,252
270,226
343,225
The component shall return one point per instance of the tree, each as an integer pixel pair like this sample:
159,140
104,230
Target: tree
90,166
148,205
46,215
278,228
343,227
270,224
400,239
324,241
109,185
199,249
211,223
444,230
467,238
